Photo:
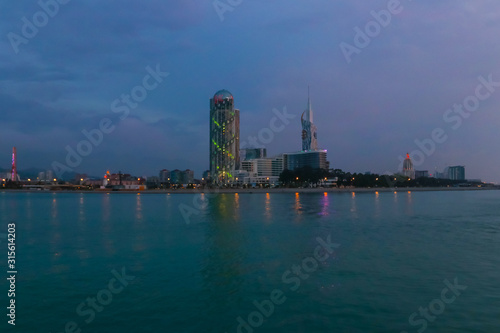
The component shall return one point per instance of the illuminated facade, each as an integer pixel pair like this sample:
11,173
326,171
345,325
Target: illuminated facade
408,170
13,175
224,138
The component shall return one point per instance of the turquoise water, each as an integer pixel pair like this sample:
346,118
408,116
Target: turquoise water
392,256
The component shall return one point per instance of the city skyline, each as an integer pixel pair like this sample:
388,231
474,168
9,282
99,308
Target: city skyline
398,91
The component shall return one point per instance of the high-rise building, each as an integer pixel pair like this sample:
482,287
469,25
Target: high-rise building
314,159
309,131
188,176
224,138
456,172
176,176
310,155
164,176
408,170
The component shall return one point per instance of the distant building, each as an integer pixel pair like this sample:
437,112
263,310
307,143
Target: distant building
206,175
439,175
46,176
309,131
260,171
153,182
420,174
314,159
253,153
122,179
456,172
277,165
224,138
267,167
49,176
176,176
310,156
164,176
188,176
181,177
408,170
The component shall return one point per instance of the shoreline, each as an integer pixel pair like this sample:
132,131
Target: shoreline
265,190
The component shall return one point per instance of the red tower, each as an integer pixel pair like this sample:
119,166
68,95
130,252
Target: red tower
14,165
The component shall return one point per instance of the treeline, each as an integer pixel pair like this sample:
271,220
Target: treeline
307,176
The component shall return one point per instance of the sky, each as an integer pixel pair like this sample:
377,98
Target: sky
384,78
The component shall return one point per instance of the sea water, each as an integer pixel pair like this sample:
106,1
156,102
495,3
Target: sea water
261,262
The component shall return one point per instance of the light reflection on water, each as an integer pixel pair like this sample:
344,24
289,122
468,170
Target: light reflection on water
268,212
211,271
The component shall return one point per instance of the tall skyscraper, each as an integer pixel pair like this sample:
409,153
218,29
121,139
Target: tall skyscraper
408,170
309,135
224,138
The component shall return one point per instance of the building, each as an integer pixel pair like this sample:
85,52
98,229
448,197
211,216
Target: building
265,167
188,176
181,177
420,174
310,156
176,176
153,182
277,166
252,153
408,170
224,138
456,172
164,176
49,176
314,159
309,131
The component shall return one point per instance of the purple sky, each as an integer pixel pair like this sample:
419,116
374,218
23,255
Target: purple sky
368,111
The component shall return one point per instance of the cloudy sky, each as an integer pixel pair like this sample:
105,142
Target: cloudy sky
373,95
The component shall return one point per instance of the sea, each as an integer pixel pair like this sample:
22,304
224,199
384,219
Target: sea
349,262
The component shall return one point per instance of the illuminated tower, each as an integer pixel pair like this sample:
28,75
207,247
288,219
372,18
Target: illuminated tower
408,170
309,135
224,138
14,165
